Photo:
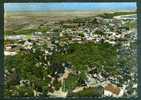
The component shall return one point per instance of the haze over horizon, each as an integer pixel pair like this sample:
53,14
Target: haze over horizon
42,7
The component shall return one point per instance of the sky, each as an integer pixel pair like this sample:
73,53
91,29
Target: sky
68,6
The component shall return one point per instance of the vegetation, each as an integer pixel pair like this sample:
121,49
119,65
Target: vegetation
88,92
83,55
131,24
111,15
20,31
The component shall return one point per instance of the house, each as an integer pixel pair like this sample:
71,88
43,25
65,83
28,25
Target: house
113,90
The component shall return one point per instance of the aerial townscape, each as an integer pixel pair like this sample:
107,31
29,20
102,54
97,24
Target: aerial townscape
79,56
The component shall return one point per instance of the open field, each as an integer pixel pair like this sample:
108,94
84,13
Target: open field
25,20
